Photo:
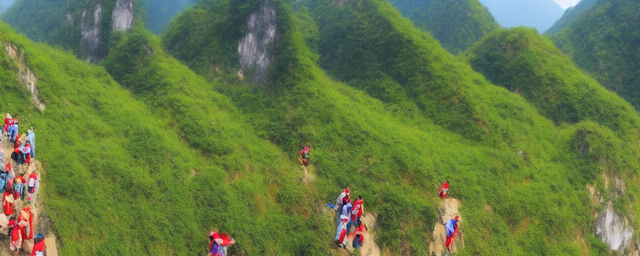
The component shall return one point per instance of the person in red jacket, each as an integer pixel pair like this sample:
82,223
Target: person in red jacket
7,123
16,239
305,155
444,189
359,239
39,247
357,210
219,243
26,217
8,199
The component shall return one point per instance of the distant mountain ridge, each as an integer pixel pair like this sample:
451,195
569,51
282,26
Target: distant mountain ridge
540,14
456,24
604,41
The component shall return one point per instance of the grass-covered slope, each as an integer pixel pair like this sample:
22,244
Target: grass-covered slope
522,179
456,24
122,178
526,63
603,41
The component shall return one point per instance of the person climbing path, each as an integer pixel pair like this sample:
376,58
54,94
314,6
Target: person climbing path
13,130
31,138
444,189
358,209
39,247
358,240
219,243
305,155
7,123
26,217
452,227
8,199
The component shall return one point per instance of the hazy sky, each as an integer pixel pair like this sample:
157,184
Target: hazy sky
566,3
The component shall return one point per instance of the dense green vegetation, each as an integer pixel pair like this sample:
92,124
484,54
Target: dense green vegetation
604,41
122,179
435,118
147,153
570,14
456,24
524,62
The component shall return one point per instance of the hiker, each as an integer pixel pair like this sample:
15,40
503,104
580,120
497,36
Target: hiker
4,177
305,155
31,137
18,185
26,217
452,227
219,243
7,123
39,248
358,209
13,131
341,232
444,189
17,240
17,152
359,239
346,212
27,153
33,183
344,196
7,199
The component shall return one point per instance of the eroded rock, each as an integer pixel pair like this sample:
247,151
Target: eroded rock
254,47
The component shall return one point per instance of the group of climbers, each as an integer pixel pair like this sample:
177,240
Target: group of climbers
347,215
19,224
453,225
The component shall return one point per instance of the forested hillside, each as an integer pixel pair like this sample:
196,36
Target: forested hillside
200,129
570,14
603,41
158,13
456,24
477,134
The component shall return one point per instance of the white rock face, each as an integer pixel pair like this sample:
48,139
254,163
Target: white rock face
91,40
26,76
122,15
255,57
614,230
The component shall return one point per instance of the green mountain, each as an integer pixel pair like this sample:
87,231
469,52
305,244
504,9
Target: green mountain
200,129
434,118
128,178
603,41
539,14
456,24
570,14
524,62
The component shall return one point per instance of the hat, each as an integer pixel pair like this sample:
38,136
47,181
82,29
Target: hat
456,218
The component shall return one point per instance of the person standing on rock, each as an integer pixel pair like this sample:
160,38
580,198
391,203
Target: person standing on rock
341,232
452,227
7,123
443,190
358,209
18,185
31,137
16,240
33,183
346,213
26,217
359,239
8,199
39,248
13,129
27,153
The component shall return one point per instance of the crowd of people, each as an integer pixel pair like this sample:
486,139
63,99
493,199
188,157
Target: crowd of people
14,178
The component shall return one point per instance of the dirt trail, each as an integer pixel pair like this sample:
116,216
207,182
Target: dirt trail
446,211
369,247
308,175
40,221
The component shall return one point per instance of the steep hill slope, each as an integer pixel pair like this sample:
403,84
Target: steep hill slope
122,179
540,14
456,24
517,173
604,41
524,62
570,14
